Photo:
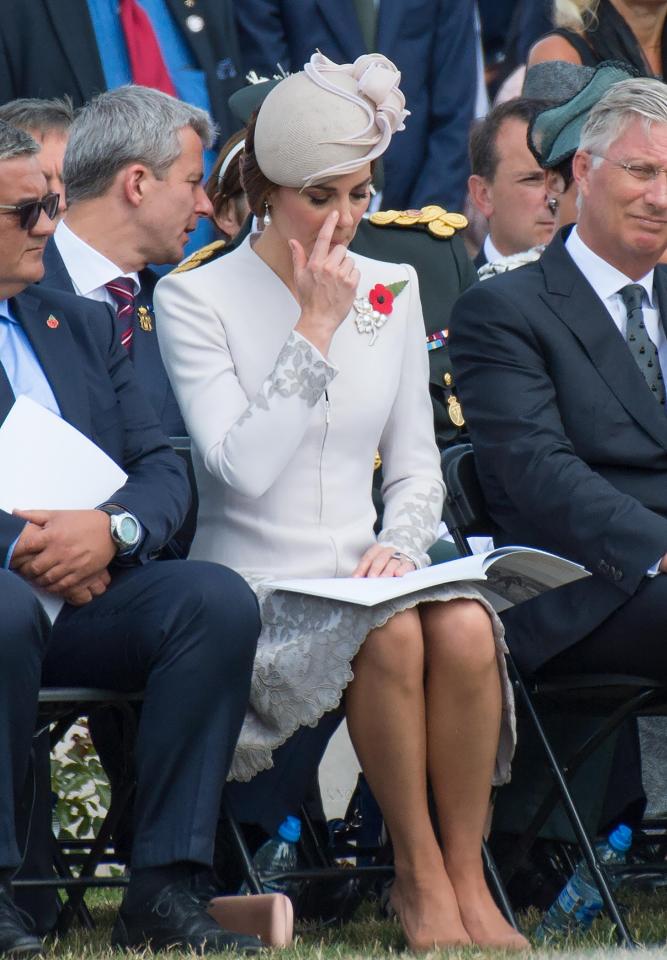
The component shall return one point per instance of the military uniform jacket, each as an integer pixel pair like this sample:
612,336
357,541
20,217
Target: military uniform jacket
284,440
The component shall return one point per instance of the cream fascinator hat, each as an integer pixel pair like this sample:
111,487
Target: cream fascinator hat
328,120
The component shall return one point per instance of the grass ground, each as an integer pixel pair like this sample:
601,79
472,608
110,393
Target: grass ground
368,935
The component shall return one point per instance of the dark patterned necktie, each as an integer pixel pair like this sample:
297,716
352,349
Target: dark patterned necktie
641,346
122,291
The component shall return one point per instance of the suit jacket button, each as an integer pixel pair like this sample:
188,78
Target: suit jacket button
618,575
194,23
603,566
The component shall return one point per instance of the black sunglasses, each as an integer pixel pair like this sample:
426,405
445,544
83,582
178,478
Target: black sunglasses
30,210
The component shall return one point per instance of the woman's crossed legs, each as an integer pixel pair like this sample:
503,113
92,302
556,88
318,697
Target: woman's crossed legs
425,702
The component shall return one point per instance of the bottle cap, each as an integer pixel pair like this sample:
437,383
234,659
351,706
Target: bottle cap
621,838
290,829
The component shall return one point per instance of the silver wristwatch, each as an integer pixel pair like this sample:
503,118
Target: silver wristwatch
124,528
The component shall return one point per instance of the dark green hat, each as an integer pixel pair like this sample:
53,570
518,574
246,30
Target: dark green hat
555,80
554,134
245,101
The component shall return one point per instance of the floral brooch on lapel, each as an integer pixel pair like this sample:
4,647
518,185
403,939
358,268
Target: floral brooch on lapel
374,310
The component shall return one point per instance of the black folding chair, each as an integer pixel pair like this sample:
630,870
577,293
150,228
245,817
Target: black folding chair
59,709
614,696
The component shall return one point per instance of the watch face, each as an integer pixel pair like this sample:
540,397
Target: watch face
127,530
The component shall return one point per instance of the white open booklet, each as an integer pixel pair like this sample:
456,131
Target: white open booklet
49,465
505,576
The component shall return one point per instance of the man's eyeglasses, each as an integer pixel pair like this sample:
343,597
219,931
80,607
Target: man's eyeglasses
645,172
30,210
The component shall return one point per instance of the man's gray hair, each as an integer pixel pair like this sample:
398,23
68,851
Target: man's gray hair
127,125
39,116
628,100
15,142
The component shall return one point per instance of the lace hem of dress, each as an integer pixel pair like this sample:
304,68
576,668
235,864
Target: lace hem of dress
303,662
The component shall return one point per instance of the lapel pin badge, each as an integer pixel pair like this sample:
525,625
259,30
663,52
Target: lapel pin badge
52,322
145,319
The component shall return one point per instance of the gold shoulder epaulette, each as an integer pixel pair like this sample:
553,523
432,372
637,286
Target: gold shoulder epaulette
200,256
434,219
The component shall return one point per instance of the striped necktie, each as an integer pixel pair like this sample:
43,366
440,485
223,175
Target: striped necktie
122,291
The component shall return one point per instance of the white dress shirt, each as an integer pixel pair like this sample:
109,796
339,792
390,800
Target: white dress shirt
89,269
491,251
606,282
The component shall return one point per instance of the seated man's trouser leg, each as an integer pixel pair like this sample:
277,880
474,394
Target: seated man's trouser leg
631,640
23,638
185,632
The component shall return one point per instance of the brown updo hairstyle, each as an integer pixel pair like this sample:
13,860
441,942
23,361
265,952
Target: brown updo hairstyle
257,187
230,189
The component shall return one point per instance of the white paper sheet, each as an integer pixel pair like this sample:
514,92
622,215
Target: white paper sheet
49,465
514,574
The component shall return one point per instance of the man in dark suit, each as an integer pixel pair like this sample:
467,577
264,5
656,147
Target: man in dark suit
127,622
507,185
560,367
133,169
431,41
49,48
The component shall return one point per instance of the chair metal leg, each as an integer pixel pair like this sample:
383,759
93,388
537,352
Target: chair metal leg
569,768
497,886
92,860
597,871
250,874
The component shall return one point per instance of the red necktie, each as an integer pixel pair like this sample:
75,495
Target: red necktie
146,63
122,290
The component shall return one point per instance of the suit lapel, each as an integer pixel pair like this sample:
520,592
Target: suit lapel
55,271
389,23
73,27
341,18
574,301
55,349
660,288
6,395
197,40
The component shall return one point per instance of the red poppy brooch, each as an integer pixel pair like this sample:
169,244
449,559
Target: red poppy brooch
374,310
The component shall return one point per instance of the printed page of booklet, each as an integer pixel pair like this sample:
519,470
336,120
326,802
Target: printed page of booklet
52,467
505,576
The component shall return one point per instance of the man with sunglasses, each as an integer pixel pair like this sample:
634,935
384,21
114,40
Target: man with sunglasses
184,632
562,367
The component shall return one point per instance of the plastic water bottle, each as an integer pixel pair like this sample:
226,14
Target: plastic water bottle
277,855
579,902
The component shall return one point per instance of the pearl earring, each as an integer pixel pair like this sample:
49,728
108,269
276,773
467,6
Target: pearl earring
267,214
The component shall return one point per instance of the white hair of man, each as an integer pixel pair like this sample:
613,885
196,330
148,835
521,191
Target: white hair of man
626,101
15,142
130,124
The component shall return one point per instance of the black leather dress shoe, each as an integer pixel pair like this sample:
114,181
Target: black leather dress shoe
176,917
15,938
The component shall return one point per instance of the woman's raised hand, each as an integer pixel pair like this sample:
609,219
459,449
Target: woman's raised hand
326,284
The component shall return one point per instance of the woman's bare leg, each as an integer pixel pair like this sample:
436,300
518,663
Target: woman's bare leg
386,719
463,706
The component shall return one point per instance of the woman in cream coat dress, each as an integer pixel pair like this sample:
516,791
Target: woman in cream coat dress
294,363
